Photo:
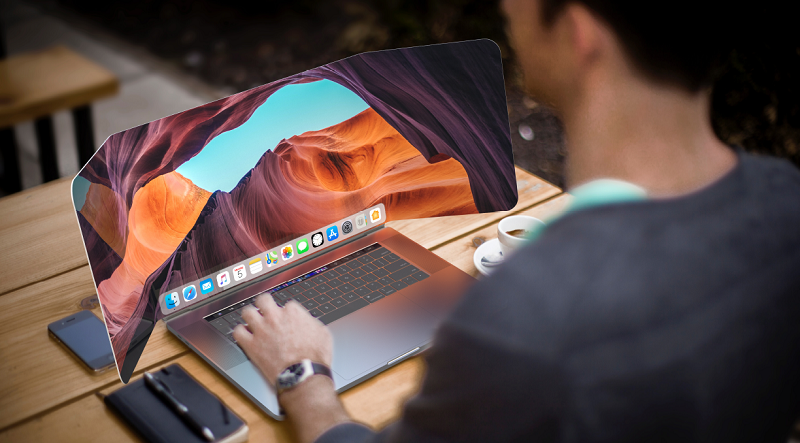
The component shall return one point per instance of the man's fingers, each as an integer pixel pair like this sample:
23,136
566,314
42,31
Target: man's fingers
252,317
242,336
293,307
269,309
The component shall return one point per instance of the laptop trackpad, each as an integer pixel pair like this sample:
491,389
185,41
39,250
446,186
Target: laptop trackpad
370,337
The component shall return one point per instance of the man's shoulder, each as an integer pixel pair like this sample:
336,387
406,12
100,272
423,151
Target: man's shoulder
620,268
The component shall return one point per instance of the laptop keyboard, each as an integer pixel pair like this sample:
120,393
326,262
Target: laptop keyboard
336,289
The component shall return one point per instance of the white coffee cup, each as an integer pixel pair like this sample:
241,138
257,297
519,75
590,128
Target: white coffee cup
508,242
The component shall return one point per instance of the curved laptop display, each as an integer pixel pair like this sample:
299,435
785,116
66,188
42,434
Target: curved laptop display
190,200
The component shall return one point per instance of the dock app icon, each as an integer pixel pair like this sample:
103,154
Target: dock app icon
206,286
189,293
333,233
256,266
302,246
271,258
172,300
375,215
239,273
223,279
361,221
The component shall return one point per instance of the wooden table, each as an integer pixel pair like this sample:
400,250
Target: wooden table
45,395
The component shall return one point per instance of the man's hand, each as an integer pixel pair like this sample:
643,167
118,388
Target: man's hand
278,338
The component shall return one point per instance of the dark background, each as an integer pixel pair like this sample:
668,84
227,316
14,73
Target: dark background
235,45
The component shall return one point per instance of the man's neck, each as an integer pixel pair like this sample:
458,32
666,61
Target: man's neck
658,138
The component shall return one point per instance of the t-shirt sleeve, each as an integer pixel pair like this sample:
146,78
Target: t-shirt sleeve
478,388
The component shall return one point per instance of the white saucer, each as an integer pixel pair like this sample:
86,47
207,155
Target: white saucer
490,247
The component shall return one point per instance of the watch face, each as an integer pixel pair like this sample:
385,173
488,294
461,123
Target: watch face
290,376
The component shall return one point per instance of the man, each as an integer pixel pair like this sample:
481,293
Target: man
671,318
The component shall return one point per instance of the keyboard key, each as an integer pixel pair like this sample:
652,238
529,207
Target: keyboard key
420,275
307,284
350,296
392,258
409,280
310,304
235,319
347,287
322,299
368,268
338,302
358,282
365,259
346,278
344,310
385,281
363,291
323,287
315,312
311,293
388,290
358,273
373,297
379,263
221,325
380,273
331,273
378,253
403,273
334,282
369,278
283,295
343,269
320,279
326,307
333,293
399,285
374,286
396,266
294,289
300,298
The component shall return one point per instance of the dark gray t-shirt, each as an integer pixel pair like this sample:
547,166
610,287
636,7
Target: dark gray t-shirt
662,320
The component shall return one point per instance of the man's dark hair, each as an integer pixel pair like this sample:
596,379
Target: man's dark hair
678,43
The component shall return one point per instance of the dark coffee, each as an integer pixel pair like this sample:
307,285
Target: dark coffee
519,233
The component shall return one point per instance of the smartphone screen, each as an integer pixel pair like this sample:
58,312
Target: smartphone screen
86,336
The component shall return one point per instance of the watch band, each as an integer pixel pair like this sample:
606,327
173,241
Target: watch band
300,372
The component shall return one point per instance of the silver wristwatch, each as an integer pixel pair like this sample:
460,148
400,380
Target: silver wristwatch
299,372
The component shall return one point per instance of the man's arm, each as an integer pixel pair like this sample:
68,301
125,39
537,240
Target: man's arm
278,338
479,386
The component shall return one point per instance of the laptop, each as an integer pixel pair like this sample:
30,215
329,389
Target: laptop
284,190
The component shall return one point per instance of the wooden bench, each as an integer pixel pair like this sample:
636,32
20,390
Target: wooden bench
35,85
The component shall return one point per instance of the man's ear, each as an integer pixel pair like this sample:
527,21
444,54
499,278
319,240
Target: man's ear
588,36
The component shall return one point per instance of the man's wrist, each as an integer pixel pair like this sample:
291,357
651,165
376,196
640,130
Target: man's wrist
313,407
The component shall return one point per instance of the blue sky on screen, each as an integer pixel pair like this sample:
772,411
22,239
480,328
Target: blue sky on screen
292,110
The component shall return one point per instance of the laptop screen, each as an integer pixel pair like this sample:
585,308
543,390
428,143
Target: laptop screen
181,209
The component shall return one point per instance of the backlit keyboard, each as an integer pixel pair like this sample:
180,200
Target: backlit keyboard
336,289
